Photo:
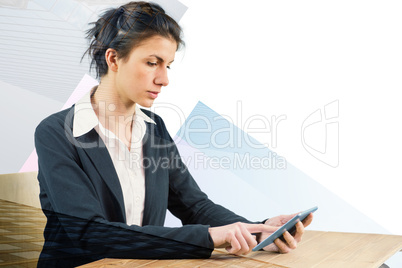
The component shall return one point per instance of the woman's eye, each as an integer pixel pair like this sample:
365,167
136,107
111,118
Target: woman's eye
152,64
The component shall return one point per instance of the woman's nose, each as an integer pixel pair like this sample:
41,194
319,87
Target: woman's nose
162,77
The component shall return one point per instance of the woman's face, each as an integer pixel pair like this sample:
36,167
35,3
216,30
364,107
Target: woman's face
140,77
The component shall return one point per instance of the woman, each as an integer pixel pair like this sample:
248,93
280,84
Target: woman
108,170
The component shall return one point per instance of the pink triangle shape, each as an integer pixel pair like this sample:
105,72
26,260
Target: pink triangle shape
86,83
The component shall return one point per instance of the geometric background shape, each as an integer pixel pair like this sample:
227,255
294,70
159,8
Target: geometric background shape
86,83
21,111
42,42
277,187
259,193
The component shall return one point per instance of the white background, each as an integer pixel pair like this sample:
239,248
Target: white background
292,58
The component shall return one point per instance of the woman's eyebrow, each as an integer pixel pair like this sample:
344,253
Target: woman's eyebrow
159,58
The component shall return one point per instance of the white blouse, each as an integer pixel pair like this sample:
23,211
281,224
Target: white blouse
128,163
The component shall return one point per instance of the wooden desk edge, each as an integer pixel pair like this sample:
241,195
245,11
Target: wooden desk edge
221,252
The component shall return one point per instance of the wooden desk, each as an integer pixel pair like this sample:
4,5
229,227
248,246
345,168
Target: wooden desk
318,249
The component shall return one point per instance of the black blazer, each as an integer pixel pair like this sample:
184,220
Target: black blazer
80,194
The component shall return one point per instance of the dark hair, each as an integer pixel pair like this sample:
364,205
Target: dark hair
125,27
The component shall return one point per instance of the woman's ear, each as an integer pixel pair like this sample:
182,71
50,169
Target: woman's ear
111,59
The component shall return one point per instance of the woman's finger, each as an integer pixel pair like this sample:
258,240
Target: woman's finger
234,244
250,239
308,220
299,232
244,248
282,246
260,228
290,240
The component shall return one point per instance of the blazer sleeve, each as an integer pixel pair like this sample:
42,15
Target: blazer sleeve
78,231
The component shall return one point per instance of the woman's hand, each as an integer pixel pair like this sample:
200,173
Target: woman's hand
237,238
289,242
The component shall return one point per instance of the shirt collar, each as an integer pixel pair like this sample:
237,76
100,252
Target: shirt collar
85,118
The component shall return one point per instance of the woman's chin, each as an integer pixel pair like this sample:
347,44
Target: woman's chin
146,103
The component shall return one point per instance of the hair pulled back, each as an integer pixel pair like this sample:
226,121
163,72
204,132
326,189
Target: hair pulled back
124,28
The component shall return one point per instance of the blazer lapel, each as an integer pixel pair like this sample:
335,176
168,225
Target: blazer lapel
96,150
156,180
150,180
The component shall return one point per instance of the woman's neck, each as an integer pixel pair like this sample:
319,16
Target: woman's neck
108,102
113,112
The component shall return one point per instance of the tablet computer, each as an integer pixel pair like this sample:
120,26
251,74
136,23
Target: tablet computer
289,226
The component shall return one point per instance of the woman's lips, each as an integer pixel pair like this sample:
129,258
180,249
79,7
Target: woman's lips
153,94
